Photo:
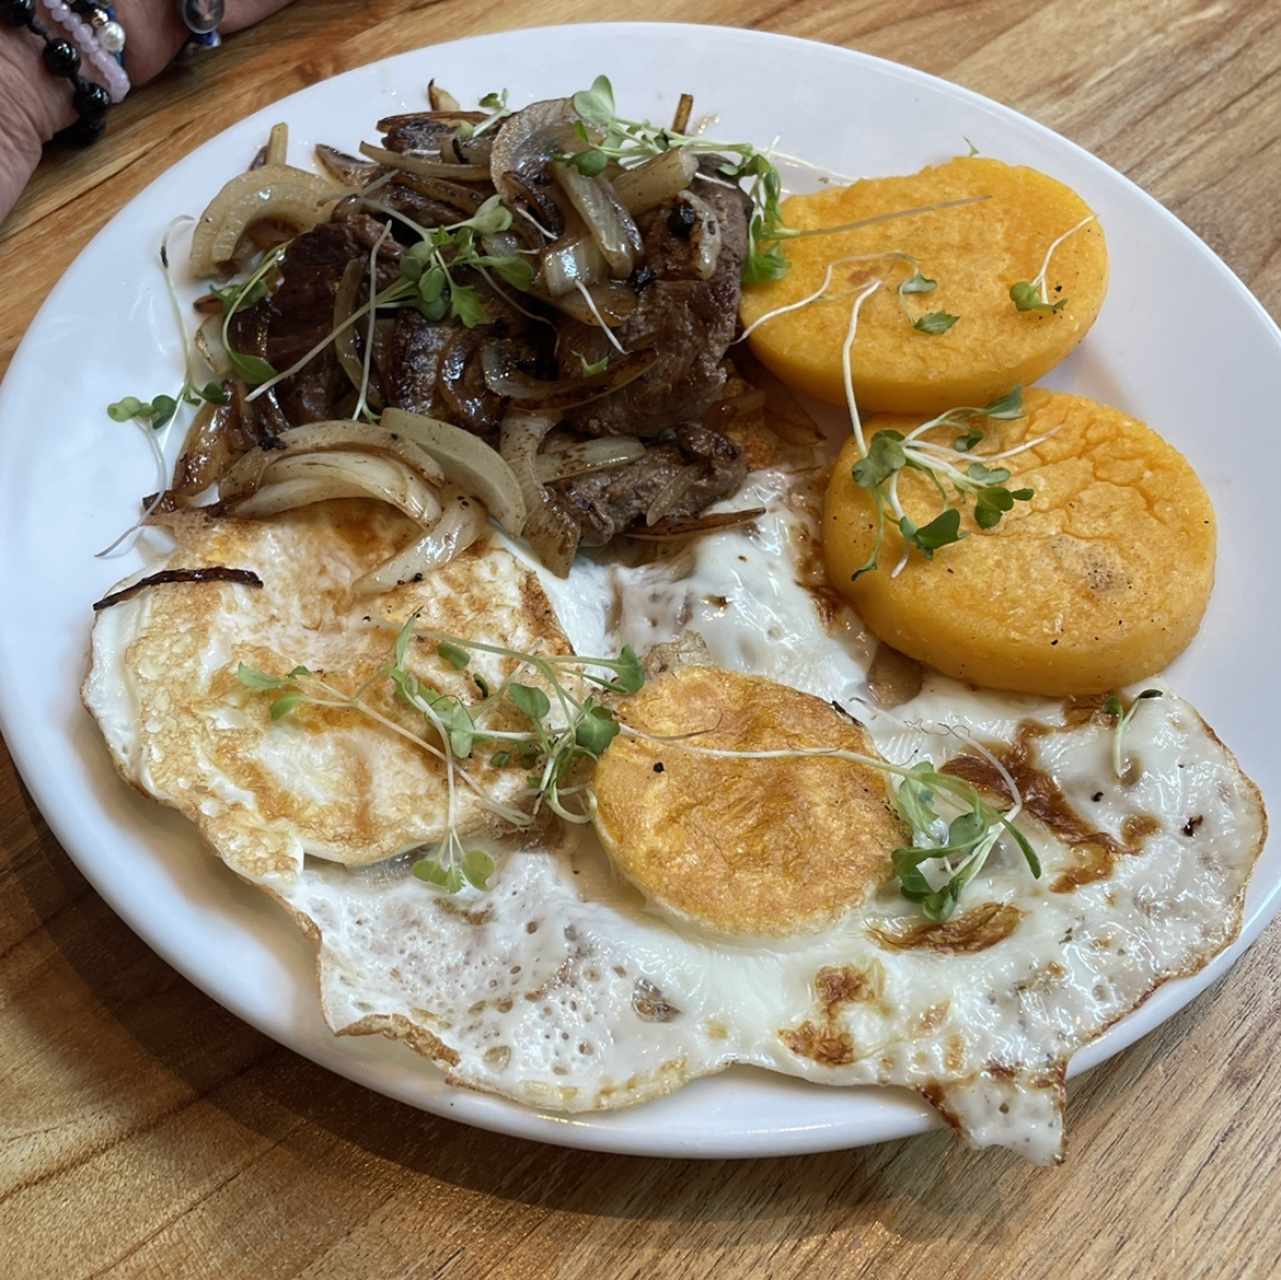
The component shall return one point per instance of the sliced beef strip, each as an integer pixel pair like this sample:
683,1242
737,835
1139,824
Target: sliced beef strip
414,351
605,503
690,321
299,313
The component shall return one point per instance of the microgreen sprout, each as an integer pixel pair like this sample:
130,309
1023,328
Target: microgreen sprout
1115,708
607,136
562,729
890,452
1034,294
429,279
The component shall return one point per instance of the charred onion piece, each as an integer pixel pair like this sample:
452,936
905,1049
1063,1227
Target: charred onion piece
467,462
574,259
614,229
550,530
467,200
274,191
211,573
245,475
656,181
614,302
706,237
461,524
424,167
346,347
680,121
441,99
581,457
505,379
302,479
668,529
524,146
350,170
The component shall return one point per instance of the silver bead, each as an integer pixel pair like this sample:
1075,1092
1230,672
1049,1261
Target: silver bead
112,37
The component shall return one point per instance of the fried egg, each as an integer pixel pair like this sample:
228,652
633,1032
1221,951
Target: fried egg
593,975
328,782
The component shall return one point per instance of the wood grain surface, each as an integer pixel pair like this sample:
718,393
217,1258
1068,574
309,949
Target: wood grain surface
146,1132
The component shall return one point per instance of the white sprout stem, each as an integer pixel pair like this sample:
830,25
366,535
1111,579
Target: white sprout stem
430,712
591,306
529,217
376,301
1016,796
984,457
162,485
847,365
378,183
1039,278
700,176
818,293
423,233
373,316
269,260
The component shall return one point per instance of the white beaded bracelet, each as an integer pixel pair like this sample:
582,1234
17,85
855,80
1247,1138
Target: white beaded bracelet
108,70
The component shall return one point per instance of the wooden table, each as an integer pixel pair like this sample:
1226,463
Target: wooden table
146,1132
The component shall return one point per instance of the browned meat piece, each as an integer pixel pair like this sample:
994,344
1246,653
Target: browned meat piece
412,373
690,322
299,313
674,480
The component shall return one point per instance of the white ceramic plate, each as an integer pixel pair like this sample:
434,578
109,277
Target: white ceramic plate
1181,344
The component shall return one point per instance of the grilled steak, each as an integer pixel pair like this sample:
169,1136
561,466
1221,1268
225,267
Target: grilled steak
672,480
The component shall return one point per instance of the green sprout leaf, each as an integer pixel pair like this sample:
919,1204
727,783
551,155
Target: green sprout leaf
283,705
466,304
448,878
967,441
500,759
516,271
127,407
590,162
917,283
885,456
1026,297
492,217
942,531
477,866
162,410
596,105
595,730
530,700
629,675
254,679
595,368
252,369
495,101
1005,408
457,722
935,322
456,657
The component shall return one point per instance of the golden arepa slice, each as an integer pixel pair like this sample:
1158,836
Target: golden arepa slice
743,846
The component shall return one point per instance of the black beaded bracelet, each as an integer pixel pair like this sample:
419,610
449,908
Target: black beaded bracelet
62,58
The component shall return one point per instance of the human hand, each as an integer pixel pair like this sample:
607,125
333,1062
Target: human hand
36,105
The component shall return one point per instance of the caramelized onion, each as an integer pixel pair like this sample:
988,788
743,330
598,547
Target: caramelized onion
345,347
706,238
570,261
246,474
551,531
274,191
314,477
581,457
656,181
613,228
467,200
467,462
505,379
614,301
462,522
350,170
422,166
441,99
524,145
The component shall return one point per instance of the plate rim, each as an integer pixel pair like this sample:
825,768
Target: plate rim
496,1114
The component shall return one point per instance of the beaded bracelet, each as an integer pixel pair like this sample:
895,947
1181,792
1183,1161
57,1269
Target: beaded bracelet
98,36
62,58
